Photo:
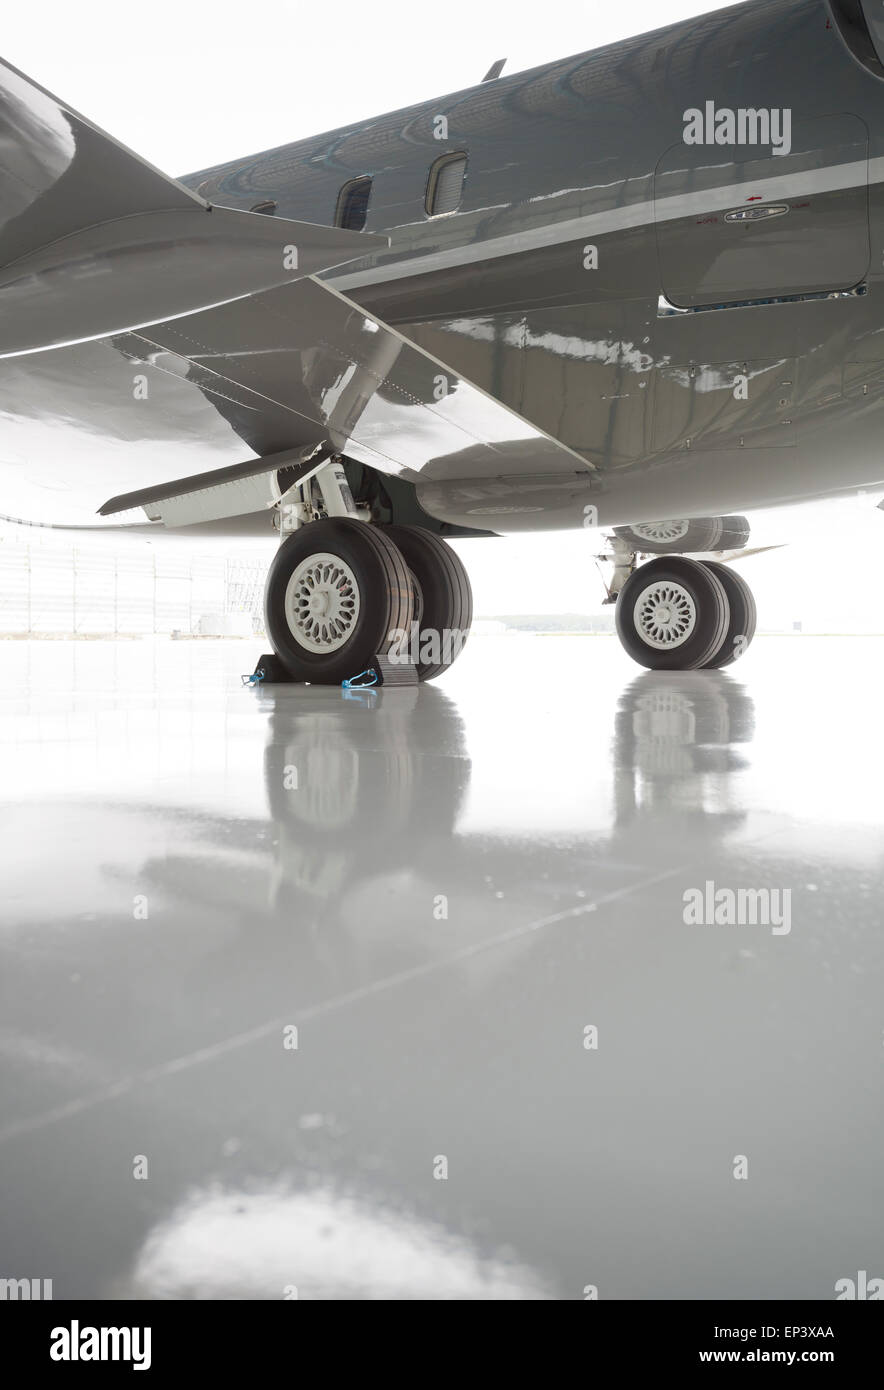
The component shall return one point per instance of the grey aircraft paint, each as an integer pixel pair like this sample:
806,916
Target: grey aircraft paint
615,324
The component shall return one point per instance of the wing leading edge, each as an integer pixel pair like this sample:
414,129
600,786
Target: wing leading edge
95,241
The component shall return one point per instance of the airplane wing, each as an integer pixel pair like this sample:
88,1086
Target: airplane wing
146,336
94,240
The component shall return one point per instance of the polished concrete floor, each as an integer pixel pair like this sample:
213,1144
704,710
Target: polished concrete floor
394,996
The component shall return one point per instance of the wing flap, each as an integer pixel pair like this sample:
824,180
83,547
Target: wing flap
354,382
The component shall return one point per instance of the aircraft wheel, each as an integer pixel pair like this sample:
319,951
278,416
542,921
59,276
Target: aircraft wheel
443,599
741,628
337,593
673,537
672,614
735,533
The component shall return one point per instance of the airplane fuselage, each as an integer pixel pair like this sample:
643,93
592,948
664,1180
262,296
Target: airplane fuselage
587,221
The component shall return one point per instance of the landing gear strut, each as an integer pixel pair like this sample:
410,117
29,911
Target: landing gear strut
676,614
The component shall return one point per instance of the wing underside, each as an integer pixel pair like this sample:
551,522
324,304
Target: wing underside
146,337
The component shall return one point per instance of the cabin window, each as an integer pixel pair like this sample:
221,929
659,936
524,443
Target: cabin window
445,184
352,207
268,207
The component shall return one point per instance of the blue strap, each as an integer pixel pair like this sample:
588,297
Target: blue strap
254,677
357,683
363,697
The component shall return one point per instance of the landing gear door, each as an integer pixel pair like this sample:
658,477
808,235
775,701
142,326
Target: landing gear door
737,222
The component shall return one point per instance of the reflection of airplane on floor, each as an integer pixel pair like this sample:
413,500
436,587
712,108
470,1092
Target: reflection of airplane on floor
366,792
371,803
420,1035
676,748
533,305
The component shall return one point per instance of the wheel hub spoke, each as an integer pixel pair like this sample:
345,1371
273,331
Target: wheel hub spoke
665,615
322,603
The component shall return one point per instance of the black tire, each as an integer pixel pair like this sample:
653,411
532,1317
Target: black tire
443,593
698,536
735,533
712,614
744,615
385,598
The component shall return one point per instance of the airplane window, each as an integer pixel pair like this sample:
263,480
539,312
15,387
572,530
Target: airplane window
445,184
353,204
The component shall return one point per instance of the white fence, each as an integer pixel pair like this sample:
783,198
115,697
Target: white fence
82,590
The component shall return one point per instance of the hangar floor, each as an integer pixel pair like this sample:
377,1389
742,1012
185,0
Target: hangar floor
441,891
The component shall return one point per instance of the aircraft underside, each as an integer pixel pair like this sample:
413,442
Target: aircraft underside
650,363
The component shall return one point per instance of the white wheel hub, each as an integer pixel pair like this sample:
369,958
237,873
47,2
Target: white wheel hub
322,602
661,531
665,615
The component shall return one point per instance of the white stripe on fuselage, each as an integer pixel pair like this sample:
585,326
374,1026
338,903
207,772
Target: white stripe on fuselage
639,214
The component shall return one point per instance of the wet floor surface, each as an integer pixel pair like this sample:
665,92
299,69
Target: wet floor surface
559,975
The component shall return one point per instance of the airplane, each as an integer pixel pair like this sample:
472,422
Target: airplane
632,291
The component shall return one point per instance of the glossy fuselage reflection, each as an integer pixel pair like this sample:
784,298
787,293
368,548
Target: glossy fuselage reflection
441,890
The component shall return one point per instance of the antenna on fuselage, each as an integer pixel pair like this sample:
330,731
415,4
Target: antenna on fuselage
495,70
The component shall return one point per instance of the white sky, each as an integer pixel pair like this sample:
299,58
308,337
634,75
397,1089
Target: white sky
188,85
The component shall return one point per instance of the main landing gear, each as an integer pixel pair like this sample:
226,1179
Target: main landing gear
676,614
342,591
